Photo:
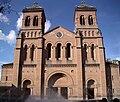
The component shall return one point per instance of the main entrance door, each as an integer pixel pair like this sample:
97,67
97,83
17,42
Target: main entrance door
58,86
58,92
52,92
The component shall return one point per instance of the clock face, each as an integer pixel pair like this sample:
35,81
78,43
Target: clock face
59,35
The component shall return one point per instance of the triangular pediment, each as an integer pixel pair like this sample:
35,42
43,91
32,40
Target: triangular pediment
60,32
60,35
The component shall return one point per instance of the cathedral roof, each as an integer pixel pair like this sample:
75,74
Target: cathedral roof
34,8
6,65
85,7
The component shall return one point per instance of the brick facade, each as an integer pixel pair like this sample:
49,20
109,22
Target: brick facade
62,63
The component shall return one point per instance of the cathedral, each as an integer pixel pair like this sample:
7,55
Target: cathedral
60,62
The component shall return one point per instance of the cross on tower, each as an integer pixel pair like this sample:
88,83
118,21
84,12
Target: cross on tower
35,4
83,1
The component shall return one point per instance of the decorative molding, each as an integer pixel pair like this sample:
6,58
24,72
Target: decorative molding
114,66
101,47
92,65
29,65
78,47
61,65
39,48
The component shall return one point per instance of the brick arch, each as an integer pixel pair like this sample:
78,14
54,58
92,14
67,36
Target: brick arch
92,43
33,44
27,16
27,85
32,83
48,43
59,72
68,42
91,79
86,43
26,44
58,43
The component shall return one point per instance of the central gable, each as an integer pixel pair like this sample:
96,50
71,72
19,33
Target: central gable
60,34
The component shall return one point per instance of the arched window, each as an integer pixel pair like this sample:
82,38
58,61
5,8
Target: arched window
27,21
25,52
49,48
32,52
58,51
92,51
82,20
90,89
85,51
90,20
35,21
68,51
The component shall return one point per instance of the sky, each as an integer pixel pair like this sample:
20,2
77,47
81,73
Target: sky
61,12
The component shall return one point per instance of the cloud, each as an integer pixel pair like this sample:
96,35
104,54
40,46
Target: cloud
47,25
4,18
10,38
2,36
19,21
118,58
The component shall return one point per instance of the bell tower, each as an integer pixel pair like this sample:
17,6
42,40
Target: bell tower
85,17
93,51
33,18
28,57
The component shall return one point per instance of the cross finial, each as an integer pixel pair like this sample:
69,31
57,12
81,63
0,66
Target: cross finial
83,1
35,4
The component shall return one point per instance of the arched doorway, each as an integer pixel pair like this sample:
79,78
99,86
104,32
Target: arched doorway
90,89
58,86
26,87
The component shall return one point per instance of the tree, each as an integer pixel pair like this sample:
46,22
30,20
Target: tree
5,6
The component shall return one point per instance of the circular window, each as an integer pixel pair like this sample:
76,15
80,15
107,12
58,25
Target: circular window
59,35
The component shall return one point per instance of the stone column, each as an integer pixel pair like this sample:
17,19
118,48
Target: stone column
53,53
63,54
59,91
31,91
